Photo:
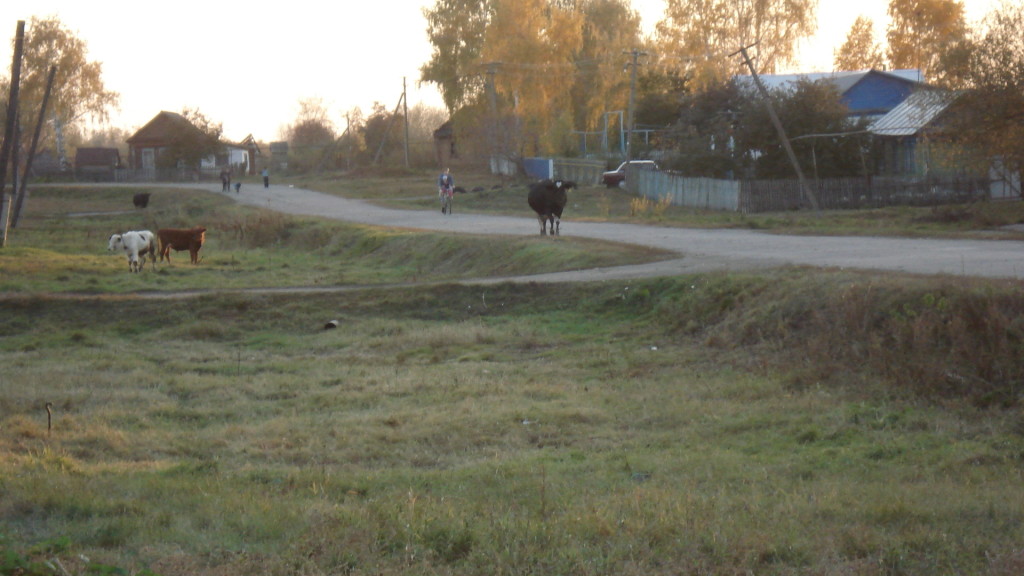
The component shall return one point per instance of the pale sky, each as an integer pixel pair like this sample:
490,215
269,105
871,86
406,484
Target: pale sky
248,67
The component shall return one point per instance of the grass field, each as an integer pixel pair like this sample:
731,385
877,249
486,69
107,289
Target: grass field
787,422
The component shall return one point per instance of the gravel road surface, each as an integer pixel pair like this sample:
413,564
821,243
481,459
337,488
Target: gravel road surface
699,250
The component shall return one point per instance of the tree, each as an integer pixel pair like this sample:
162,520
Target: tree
536,41
78,90
860,51
381,131
703,136
599,85
705,32
310,135
988,118
921,31
456,29
823,140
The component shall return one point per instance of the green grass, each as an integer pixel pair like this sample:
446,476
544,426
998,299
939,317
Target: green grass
57,249
788,422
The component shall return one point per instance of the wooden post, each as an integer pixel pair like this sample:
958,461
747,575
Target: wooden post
778,128
12,118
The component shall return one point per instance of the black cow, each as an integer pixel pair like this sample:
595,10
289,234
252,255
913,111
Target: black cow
547,198
141,200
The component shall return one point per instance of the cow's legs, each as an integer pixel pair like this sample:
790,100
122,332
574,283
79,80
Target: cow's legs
543,225
556,226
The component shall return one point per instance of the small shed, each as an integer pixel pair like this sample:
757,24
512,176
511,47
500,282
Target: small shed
444,144
97,164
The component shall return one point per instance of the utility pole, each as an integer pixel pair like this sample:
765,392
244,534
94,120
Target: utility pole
778,128
636,54
492,69
12,118
22,191
405,113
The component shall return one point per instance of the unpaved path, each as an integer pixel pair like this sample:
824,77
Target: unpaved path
700,250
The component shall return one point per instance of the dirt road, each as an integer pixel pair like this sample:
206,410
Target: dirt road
700,250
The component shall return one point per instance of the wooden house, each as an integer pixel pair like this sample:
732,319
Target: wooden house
146,145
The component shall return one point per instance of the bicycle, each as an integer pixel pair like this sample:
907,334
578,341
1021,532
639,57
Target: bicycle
445,195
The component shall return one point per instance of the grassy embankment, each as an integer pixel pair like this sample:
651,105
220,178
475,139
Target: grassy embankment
791,422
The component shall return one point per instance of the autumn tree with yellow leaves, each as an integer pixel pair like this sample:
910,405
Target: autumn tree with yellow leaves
860,51
78,92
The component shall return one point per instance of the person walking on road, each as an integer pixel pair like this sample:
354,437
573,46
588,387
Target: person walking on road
445,190
266,178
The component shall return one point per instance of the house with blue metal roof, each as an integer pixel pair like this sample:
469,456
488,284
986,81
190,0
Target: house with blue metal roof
868,94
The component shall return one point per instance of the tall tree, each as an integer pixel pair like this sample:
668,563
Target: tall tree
536,41
456,29
989,116
860,51
706,32
310,135
610,28
78,89
921,31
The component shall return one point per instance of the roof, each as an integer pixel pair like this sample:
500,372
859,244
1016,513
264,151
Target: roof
161,129
865,92
914,114
843,80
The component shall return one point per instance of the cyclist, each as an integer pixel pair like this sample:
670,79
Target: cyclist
445,190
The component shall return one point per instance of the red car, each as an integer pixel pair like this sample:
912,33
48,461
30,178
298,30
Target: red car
613,178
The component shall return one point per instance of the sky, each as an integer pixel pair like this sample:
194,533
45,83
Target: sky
249,67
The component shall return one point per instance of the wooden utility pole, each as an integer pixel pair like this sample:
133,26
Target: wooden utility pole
32,149
778,128
391,125
12,118
405,114
632,96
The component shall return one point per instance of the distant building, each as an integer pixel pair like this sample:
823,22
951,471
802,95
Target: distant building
97,164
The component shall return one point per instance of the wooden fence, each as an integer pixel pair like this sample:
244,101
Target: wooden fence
751,196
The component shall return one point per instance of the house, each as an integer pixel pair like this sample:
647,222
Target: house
147,144
868,94
97,164
152,140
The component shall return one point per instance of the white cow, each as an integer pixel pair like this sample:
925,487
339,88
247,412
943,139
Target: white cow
136,245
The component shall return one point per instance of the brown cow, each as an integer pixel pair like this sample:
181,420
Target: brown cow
190,239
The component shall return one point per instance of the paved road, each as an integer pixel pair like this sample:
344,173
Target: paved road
700,250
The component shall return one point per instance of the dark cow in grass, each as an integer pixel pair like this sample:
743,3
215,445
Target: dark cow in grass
548,198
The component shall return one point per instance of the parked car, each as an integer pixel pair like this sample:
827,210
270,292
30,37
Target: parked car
613,178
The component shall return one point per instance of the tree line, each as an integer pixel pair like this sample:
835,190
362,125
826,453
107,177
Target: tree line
538,77
533,77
